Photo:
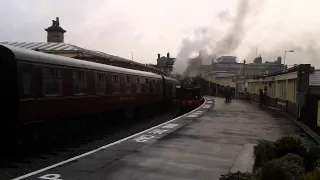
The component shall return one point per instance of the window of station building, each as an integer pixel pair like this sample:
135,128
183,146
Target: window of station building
281,89
52,81
128,85
291,90
272,89
115,84
79,83
101,83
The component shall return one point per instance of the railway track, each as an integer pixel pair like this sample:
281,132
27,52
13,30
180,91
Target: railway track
73,145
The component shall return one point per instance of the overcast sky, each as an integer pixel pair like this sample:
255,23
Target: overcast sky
148,27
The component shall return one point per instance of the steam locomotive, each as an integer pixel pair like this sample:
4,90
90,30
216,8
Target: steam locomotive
189,96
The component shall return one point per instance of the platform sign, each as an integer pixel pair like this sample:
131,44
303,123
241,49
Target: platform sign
318,119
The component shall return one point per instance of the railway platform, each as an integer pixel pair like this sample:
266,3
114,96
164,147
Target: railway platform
202,144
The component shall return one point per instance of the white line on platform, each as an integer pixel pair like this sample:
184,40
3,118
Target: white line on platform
192,115
207,106
100,148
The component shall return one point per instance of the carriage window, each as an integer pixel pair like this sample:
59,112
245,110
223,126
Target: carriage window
128,85
145,86
138,85
115,84
26,82
152,86
115,78
128,79
79,83
101,83
52,81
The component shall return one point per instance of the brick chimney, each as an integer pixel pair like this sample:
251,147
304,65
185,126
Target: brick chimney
55,33
158,56
168,55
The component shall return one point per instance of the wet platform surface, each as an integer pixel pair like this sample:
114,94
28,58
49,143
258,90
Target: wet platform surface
200,145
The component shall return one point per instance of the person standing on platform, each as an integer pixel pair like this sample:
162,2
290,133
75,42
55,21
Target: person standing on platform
227,93
265,95
261,96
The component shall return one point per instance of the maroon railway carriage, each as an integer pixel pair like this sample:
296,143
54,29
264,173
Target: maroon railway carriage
36,86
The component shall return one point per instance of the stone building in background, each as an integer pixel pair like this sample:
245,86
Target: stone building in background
226,69
164,63
230,65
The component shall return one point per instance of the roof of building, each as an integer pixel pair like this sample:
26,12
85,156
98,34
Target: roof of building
226,57
274,62
264,64
220,74
275,73
50,47
55,29
61,47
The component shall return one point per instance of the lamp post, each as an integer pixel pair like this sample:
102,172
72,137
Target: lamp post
132,56
284,58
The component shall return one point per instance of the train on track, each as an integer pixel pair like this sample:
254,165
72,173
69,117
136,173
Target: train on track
189,96
37,87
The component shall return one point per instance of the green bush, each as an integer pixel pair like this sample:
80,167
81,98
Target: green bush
315,175
237,176
290,144
278,169
317,163
293,158
257,174
312,158
264,151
